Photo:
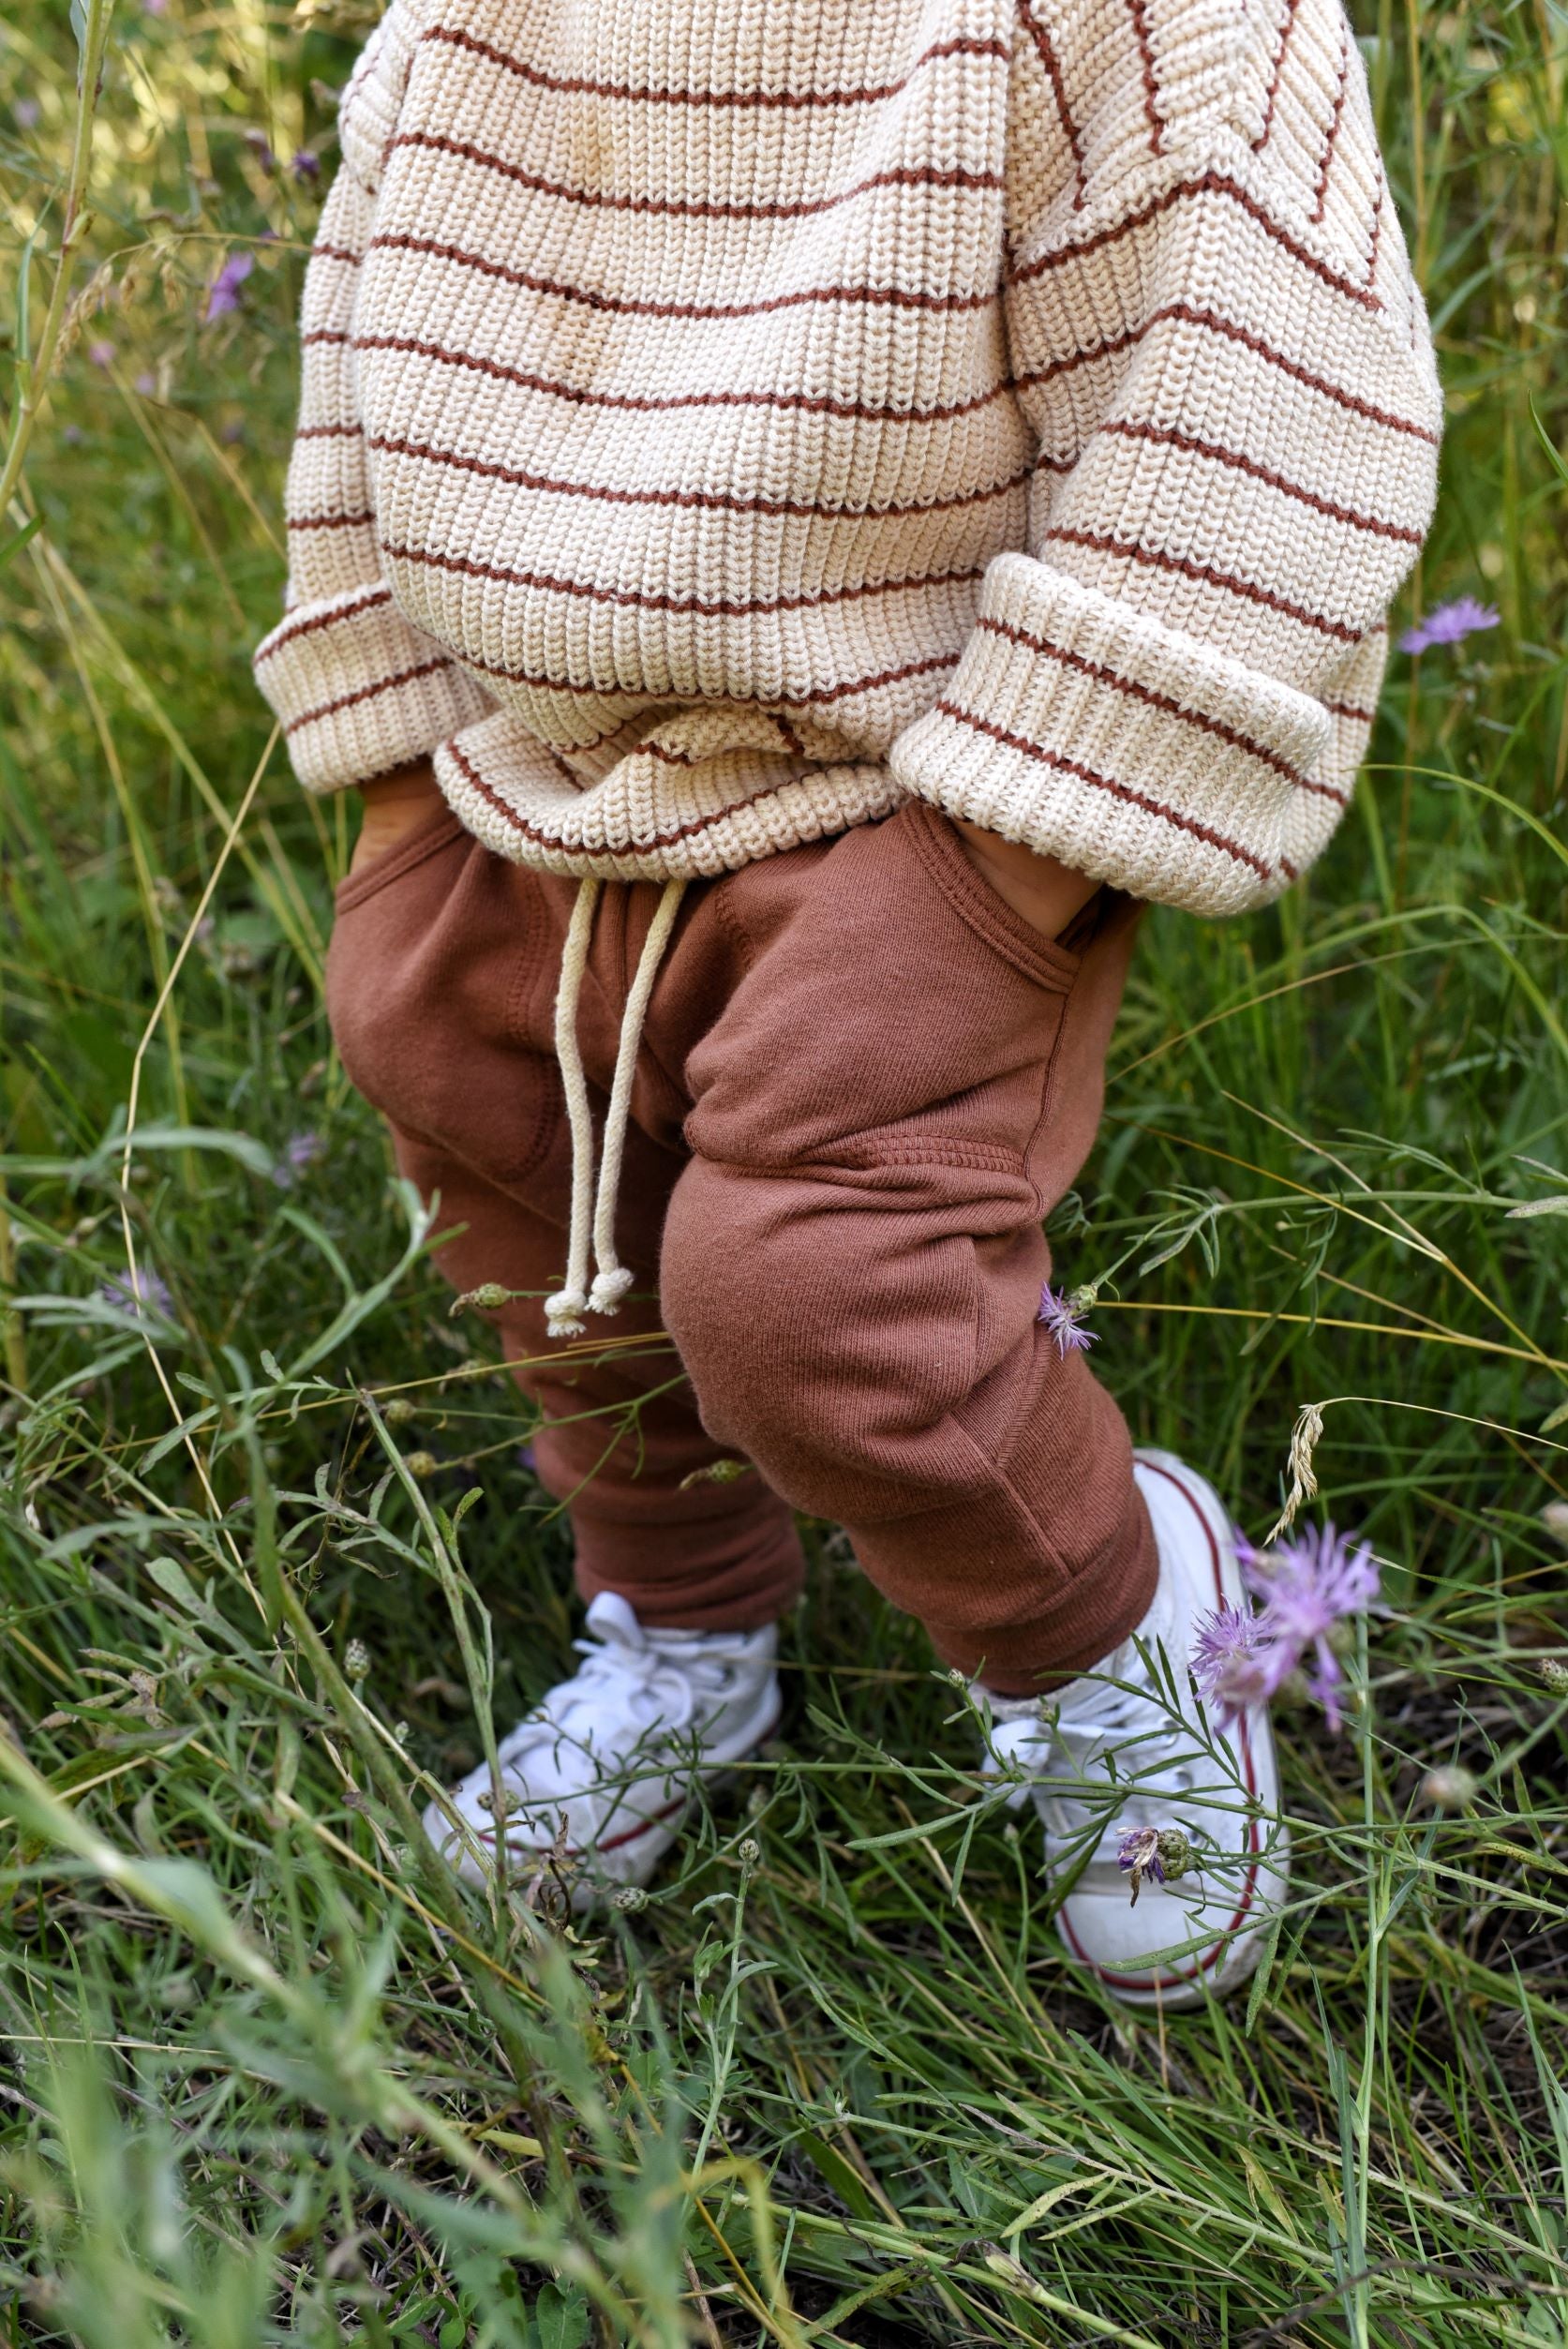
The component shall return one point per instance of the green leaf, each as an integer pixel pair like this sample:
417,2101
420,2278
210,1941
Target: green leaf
561,2318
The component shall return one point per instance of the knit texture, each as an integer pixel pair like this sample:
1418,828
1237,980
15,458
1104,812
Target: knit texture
722,423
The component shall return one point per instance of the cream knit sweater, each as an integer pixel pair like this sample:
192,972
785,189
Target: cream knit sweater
722,418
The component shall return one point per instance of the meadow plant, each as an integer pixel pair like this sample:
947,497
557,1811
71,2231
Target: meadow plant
267,2074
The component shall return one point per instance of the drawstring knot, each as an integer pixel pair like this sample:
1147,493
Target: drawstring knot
593,1218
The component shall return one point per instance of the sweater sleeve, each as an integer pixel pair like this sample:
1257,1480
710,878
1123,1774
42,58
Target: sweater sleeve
358,691
1216,340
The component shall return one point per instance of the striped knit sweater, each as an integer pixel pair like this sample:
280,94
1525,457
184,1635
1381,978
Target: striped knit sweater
724,418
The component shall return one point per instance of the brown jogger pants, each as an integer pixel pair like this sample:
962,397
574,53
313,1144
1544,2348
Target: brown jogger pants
863,1082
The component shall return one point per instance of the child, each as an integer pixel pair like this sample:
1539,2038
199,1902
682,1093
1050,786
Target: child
806,514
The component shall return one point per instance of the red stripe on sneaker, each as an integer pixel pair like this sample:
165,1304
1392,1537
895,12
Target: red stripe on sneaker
1210,1958
615,1842
645,1827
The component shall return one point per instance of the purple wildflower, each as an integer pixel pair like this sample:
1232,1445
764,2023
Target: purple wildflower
526,1459
1063,1317
141,1294
260,147
300,1151
102,352
73,435
1138,1856
27,111
1307,1586
146,384
223,294
306,164
1449,624
232,433
1238,1662
155,8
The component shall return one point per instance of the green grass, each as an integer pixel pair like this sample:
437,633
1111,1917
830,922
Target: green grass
264,2075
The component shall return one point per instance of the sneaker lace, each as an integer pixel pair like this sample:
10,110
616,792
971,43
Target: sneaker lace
1117,1750
630,1680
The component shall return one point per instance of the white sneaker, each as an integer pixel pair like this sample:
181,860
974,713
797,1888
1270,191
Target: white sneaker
600,1773
1124,1770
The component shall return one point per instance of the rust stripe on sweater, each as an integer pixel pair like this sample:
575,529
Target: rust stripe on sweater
1131,686
636,403
1051,64
552,839
1166,437
705,500
1206,576
625,306
364,693
329,521
695,208
1139,13
1189,314
287,630
575,86
1105,782
641,599
1207,184
818,695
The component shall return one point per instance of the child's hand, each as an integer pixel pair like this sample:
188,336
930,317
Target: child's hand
1046,892
393,804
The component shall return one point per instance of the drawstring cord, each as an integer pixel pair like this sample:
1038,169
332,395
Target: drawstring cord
593,1218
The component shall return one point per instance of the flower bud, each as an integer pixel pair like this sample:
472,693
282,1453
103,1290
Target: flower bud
1452,1789
630,1897
356,1660
398,1412
422,1466
1554,1672
748,1851
1175,1852
488,1299
1554,1516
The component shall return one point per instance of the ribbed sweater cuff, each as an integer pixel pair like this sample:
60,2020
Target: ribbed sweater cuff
358,691
1135,753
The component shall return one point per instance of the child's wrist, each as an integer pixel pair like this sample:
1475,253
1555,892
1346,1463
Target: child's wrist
1046,892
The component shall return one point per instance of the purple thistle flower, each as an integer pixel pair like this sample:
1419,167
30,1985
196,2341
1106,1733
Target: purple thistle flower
146,384
300,1151
1307,1586
1238,1662
1449,624
1138,1856
306,164
102,352
223,294
140,1294
1063,1317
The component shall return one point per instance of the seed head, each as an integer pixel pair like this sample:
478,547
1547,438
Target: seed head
1452,1789
1138,1855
